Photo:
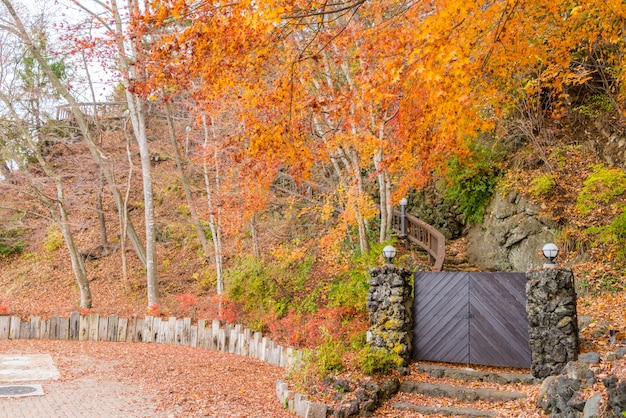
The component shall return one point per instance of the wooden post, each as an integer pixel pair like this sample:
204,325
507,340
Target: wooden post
64,329
74,326
83,333
122,329
156,330
35,328
24,330
193,341
130,330
263,349
113,324
94,326
256,345
139,329
179,332
148,323
103,329
245,348
5,325
203,333
44,330
186,332
14,329
215,335
170,330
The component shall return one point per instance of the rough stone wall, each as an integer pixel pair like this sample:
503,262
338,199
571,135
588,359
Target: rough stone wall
511,235
553,323
389,304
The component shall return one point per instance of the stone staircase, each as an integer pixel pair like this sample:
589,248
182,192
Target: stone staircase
465,397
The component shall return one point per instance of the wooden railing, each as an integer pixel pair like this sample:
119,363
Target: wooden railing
416,231
116,110
423,235
102,110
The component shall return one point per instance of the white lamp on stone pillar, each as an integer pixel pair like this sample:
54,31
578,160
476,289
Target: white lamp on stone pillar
389,252
550,252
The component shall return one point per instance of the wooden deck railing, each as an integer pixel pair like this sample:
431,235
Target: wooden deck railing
103,110
416,231
423,235
116,110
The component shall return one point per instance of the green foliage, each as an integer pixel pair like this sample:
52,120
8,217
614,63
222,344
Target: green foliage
542,185
351,290
327,358
613,233
275,288
53,240
10,242
471,182
595,106
378,361
32,76
600,187
183,210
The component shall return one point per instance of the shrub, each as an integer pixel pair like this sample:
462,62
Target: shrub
10,242
327,358
471,182
350,290
613,233
600,187
378,361
542,185
53,240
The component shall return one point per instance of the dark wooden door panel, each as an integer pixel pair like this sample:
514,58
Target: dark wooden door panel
440,313
474,318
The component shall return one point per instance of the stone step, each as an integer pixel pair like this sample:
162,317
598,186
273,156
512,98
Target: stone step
443,410
467,375
465,394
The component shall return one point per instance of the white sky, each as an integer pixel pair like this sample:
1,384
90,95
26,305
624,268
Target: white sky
59,11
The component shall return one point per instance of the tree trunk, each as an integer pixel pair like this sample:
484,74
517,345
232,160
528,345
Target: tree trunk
214,223
78,265
139,128
138,122
256,250
183,179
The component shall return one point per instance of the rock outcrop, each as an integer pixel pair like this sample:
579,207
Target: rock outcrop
511,235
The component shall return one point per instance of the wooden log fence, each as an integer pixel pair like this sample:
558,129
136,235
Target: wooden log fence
206,334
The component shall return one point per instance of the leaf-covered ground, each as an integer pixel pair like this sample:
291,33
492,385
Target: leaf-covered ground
174,381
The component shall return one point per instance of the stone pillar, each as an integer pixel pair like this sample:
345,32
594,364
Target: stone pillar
389,304
552,320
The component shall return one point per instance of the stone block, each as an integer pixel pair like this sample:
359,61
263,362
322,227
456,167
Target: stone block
316,410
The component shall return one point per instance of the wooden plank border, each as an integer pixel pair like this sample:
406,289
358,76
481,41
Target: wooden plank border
205,334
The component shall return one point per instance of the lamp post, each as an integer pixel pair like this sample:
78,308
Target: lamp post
550,252
389,252
403,203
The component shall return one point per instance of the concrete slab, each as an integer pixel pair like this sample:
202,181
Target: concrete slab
27,367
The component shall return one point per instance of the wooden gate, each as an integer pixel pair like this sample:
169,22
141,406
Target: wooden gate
471,318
